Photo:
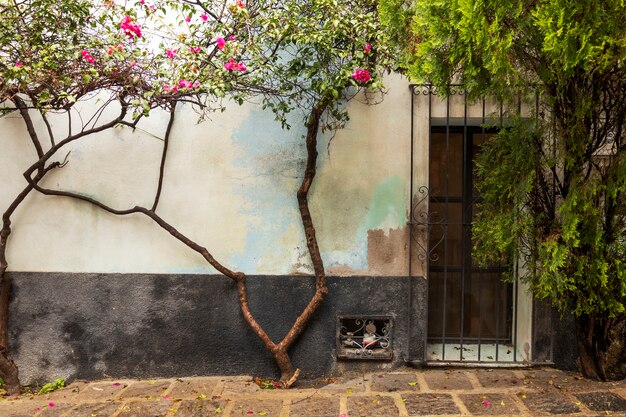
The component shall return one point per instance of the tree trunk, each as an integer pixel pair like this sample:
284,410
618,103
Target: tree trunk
593,334
288,375
280,350
8,369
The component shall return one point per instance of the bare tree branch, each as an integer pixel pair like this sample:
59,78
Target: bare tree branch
166,139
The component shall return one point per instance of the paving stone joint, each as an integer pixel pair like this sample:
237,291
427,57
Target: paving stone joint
401,393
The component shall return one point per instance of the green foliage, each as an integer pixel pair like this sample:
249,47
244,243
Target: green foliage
507,164
553,188
500,47
322,43
393,15
57,384
44,61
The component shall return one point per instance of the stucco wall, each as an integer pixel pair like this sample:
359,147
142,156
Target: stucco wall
148,325
98,294
230,184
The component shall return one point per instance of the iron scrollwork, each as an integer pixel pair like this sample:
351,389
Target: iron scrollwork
431,90
365,338
423,223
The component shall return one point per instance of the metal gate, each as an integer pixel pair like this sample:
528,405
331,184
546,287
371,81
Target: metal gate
473,315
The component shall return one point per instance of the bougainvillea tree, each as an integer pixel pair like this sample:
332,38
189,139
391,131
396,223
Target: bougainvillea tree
45,70
309,56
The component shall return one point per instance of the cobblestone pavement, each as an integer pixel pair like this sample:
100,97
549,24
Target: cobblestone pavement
400,393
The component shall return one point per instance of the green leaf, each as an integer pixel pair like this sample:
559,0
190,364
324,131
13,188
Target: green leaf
52,386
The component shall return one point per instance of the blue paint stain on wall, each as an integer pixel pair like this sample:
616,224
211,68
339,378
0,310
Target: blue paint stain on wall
387,209
388,206
272,159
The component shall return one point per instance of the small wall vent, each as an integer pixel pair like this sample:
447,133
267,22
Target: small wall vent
364,337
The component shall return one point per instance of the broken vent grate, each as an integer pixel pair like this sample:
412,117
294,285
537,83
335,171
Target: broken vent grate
364,337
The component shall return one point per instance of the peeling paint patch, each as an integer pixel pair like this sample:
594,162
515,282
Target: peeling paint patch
387,251
342,270
389,202
384,211
385,228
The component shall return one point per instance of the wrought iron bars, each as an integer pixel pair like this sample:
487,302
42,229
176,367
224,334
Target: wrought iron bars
366,337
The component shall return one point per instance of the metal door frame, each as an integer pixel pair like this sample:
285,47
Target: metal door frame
422,222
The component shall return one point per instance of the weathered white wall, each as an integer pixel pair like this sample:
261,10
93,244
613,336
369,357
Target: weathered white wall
230,185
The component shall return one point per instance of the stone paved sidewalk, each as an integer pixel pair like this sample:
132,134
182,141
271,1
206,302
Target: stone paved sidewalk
401,393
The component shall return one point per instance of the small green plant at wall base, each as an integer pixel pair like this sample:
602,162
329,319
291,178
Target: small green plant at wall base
52,386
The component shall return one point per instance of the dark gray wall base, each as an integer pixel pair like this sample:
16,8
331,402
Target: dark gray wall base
554,337
146,325
565,342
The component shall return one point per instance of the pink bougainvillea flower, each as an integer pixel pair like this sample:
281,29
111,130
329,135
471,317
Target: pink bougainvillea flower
165,397
195,50
239,4
127,20
361,75
116,384
133,64
175,89
87,56
51,404
367,48
231,65
142,1
188,19
130,29
343,415
196,84
232,38
185,83
166,88
221,43
18,64
486,403
204,17
171,53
